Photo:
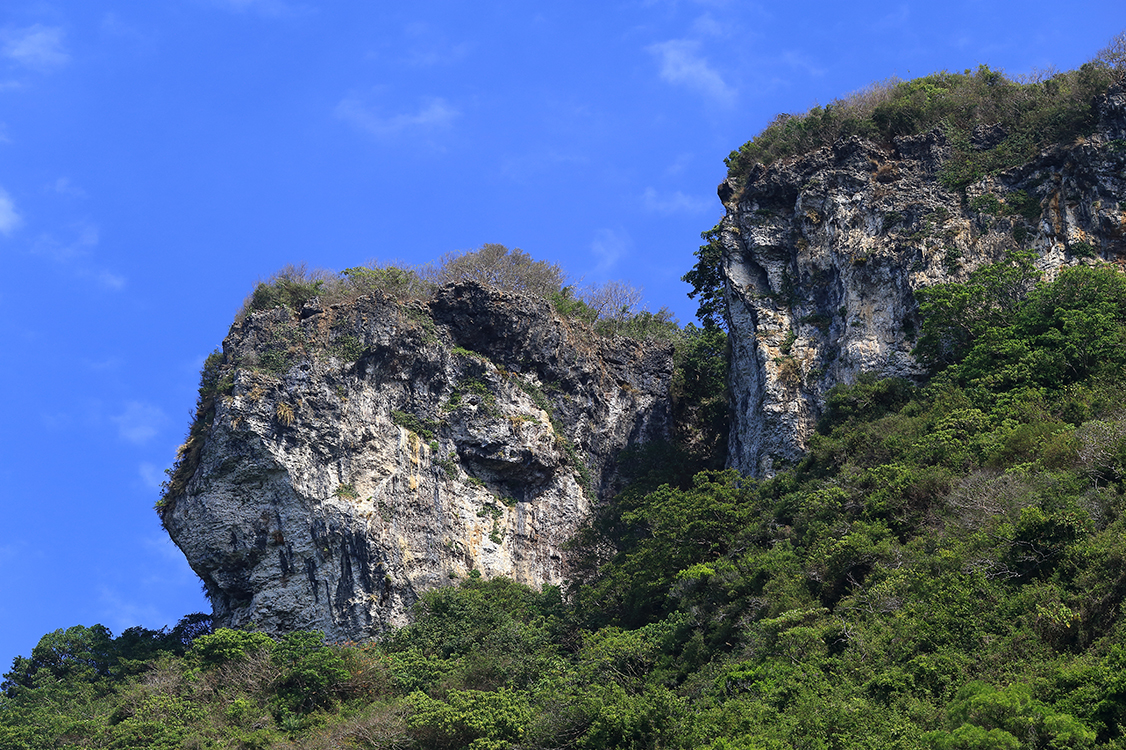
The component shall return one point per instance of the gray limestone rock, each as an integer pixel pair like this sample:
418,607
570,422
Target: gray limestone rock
823,253
373,450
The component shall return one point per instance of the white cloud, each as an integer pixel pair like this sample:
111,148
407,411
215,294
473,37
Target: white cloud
120,613
707,25
86,237
63,186
166,549
9,217
151,475
434,114
107,280
75,255
682,66
139,422
803,62
38,47
675,203
609,247
527,167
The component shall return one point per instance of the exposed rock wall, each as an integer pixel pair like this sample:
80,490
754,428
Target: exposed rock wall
823,253
370,451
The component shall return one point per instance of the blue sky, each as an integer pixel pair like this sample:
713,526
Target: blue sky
157,157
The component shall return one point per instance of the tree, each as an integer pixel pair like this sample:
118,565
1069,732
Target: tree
708,282
955,315
79,652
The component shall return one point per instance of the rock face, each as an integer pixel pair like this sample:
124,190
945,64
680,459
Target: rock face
823,252
372,450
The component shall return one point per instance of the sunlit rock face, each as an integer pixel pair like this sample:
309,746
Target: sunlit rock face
373,450
823,254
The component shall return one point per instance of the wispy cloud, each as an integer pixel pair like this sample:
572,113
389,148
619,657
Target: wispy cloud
675,203
529,166
107,280
708,25
8,552
60,251
682,65
152,476
63,186
609,247
139,422
433,114
803,62
124,35
9,217
428,47
120,612
38,47
75,255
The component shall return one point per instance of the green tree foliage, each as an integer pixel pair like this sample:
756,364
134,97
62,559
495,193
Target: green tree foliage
397,280
291,287
707,280
956,315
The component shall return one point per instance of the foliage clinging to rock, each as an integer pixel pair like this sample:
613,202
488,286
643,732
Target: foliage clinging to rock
1024,115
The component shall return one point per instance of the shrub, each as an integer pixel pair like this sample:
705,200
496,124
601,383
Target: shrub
398,280
291,287
497,266
227,645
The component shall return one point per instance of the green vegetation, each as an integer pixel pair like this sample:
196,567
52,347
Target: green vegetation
424,428
946,568
215,381
1026,115
706,278
497,266
612,309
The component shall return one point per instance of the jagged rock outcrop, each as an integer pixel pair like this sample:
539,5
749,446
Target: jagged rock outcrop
823,253
369,451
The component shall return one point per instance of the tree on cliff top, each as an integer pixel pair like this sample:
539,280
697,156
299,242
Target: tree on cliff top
497,266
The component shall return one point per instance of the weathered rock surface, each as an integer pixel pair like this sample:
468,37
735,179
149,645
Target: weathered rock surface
823,253
373,450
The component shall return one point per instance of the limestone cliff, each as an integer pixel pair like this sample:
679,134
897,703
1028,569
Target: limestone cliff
822,254
365,452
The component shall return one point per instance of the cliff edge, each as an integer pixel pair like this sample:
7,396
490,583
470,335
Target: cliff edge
822,254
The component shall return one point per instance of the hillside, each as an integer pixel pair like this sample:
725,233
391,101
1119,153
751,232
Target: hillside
936,560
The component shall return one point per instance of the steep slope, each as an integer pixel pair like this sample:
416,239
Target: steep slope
368,451
822,254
